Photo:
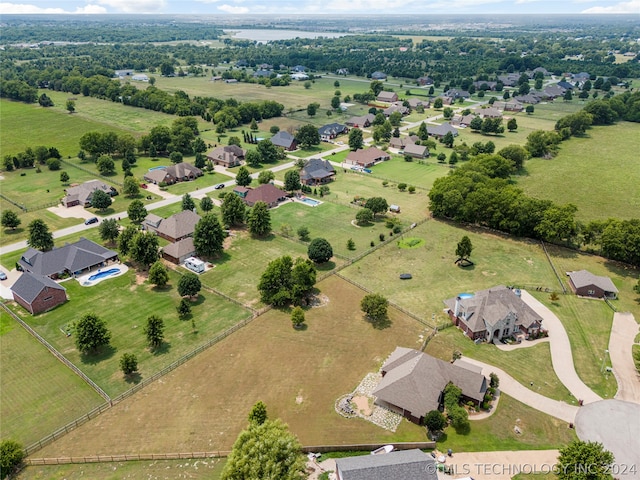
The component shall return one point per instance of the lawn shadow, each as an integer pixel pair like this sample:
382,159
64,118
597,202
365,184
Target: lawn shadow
165,288
379,323
105,212
199,300
103,353
12,231
134,378
163,349
326,266
301,328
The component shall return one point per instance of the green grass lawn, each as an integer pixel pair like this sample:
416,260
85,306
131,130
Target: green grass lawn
29,125
539,431
126,316
38,393
416,173
606,182
196,469
237,272
526,365
498,261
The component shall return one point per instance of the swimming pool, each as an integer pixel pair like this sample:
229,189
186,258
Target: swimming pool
103,274
310,201
161,167
465,295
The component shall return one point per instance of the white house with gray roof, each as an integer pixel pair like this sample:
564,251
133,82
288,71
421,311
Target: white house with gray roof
399,465
412,383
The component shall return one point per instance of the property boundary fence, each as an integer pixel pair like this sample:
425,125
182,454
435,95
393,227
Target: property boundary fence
215,454
544,248
12,202
86,170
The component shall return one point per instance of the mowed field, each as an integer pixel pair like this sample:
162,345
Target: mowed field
125,315
37,400
599,173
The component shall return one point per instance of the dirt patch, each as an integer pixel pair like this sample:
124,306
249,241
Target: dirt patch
487,273
141,277
320,300
362,405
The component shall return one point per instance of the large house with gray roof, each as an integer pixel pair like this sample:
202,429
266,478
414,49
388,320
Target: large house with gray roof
586,284
71,259
180,172
412,383
227,155
174,228
400,465
494,314
82,194
440,131
285,140
37,293
317,171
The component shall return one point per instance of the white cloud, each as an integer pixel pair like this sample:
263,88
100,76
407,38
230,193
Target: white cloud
134,6
24,8
231,9
632,6
207,1
519,2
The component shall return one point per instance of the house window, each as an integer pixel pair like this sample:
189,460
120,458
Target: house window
591,292
48,298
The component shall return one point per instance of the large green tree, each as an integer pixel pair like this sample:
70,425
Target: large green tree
208,236
39,236
584,461
158,274
558,224
91,333
187,202
243,177
307,136
125,237
259,220
258,414
292,181
154,331
375,307
128,363
206,204
105,165
319,250
144,248
233,210
10,219
109,230
131,187
265,450
284,281
356,140
189,285
100,200
268,151
464,248
11,456
435,421
136,211
377,205
364,216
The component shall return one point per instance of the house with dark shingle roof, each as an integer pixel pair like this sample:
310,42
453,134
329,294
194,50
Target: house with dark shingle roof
440,131
317,171
412,383
227,155
331,131
402,141
399,465
425,81
180,172
179,251
285,140
385,96
267,193
378,76
82,194
493,314
174,228
70,259
363,121
586,284
37,293
416,151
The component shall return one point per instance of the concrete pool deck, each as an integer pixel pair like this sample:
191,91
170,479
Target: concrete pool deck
84,278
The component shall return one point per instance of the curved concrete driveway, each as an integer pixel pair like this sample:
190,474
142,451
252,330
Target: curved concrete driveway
561,356
623,334
512,387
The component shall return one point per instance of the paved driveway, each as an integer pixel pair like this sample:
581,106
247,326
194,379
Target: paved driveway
623,334
561,356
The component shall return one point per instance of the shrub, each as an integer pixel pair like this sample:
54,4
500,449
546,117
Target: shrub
381,237
402,187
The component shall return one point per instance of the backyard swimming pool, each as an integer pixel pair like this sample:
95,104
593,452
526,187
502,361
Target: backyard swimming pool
89,280
161,167
103,274
310,201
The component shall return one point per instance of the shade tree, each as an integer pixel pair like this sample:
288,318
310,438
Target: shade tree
91,333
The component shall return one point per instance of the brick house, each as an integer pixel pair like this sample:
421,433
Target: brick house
228,156
586,284
37,293
367,157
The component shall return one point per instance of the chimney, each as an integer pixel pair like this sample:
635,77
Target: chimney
457,307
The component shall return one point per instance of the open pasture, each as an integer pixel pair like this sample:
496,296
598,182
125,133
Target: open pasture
126,315
38,393
599,173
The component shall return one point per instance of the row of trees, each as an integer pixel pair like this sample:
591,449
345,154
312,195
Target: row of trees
28,158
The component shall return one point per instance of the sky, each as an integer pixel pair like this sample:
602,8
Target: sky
306,7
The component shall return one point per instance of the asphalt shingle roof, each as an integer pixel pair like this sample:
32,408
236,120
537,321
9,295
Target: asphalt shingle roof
400,465
29,286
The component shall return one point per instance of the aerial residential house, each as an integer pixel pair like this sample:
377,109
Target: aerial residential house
462,120
387,97
179,251
396,107
425,81
367,157
412,383
565,85
140,77
440,131
586,284
399,465
509,80
416,102
81,194
493,315
581,77
285,140
37,293
227,155
123,73
331,131
71,259
544,71
485,85
456,94
401,142
511,105
378,76
262,73
180,172
342,71
530,98
299,76
490,112
361,122
267,193
416,151
299,69
174,228
317,171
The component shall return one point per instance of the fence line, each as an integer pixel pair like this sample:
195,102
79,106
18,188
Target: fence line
97,174
544,248
214,454
611,305
57,354
19,205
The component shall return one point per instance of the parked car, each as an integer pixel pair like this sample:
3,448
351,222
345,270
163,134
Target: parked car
143,185
219,186
91,220
3,276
